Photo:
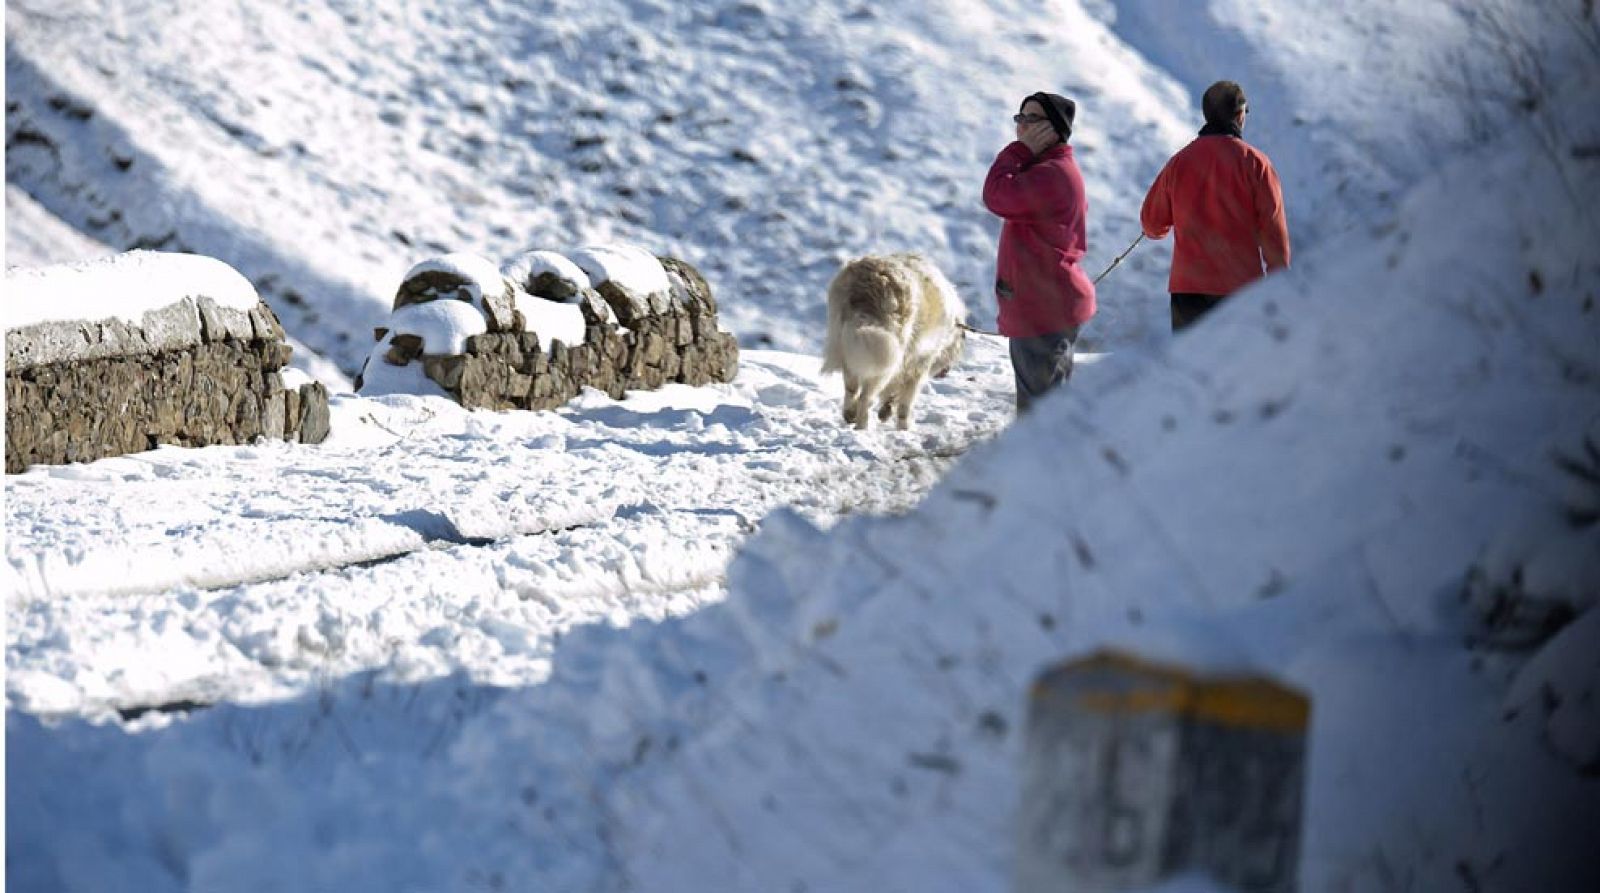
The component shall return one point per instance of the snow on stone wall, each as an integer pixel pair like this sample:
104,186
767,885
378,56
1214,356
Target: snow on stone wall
549,332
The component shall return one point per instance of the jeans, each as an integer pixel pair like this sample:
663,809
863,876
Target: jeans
1040,364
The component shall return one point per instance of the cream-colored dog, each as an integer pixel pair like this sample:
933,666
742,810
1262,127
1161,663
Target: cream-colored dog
893,320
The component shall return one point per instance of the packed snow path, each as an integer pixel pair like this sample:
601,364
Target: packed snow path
426,539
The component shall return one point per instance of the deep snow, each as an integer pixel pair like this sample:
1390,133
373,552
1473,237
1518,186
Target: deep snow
455,650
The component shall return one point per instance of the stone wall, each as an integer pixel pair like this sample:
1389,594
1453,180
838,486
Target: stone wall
190,374
631,342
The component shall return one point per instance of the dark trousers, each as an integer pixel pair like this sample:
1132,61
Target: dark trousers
1041,363
1187,307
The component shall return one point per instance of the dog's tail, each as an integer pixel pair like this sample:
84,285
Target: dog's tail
862,345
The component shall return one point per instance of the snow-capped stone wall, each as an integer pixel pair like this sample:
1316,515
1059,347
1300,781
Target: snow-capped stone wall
535,332
123,354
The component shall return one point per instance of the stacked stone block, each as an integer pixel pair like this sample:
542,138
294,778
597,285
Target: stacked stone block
190,374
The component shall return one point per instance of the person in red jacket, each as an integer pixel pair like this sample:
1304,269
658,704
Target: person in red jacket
1222,196
1034,186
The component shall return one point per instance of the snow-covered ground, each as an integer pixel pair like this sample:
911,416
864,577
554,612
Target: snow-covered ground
672,642
423,539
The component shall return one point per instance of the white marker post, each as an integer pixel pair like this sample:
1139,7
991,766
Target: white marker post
1136,771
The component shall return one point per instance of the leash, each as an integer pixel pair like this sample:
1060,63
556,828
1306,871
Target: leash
977,331
1119,258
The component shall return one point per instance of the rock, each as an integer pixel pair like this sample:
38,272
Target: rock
278,355
500,309
274,419
314,415
553,287
403,349
596,311
628,307
446,370
264,324
689,288
432,285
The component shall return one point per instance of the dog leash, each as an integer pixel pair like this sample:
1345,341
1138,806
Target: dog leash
1119,258
977,331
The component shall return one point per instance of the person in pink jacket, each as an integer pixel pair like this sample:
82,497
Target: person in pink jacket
1045,298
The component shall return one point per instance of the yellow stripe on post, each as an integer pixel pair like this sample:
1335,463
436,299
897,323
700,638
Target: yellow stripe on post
1252,703
1142,685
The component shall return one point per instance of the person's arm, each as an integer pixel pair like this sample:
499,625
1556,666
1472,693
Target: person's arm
1272,226
1155,215
1015,191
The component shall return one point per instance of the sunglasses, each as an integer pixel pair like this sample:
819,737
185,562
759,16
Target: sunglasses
1028,119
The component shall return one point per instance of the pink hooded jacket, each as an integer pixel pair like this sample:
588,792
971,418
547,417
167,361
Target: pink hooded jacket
1040,287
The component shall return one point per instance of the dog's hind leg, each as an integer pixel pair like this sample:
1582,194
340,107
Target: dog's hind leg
852,398
871,389
903,395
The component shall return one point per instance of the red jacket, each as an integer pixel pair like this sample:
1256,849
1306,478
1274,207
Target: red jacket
1222,195
1040,287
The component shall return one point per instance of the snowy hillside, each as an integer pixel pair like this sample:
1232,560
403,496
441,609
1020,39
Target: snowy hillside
671,643
323,148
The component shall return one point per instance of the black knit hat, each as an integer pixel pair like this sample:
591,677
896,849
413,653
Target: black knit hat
1059,109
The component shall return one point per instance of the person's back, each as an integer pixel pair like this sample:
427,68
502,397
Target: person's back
1222,197
1226,215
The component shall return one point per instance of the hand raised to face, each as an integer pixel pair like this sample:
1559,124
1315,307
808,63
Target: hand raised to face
1038,136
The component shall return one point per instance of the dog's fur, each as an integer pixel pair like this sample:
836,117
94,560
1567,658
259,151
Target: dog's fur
892,321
